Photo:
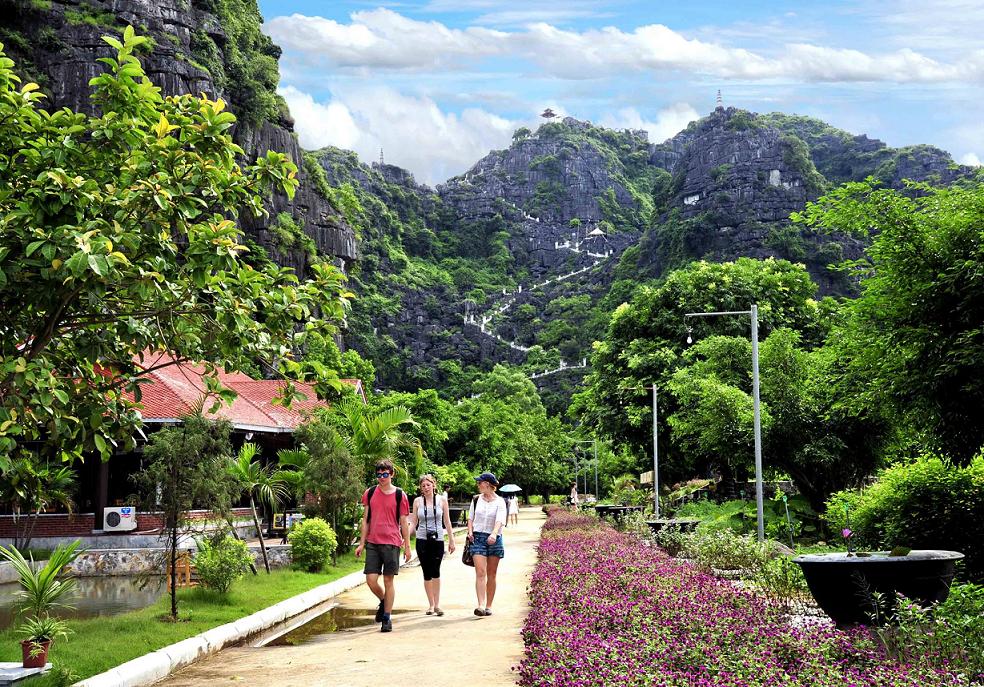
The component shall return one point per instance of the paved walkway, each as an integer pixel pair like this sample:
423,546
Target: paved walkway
456,649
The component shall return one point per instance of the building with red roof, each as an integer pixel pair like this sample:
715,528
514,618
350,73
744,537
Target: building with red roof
169,391
172,390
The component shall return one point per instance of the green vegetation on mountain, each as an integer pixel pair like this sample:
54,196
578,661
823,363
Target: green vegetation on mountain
244,66
626,156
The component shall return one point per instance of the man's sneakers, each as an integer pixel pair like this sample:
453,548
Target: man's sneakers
379,613
387,625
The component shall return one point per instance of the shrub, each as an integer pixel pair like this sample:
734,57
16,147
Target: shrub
782,582
949,636
928,504
742,516
312,542
724,550
221,562
671,539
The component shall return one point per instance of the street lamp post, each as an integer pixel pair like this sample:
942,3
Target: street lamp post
753,313
655,459
595,442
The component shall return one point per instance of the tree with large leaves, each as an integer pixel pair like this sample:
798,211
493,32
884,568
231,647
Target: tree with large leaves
118,236
260,483
912,349
384,434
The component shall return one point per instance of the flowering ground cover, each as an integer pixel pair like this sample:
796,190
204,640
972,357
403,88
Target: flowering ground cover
608,610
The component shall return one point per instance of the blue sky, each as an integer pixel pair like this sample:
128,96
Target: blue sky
437,84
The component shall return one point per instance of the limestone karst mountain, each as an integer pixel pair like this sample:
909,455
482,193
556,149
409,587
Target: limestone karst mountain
521,258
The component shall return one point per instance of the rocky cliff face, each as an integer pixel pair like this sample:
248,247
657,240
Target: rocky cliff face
521,258
735,181
555,174
840,156
58,43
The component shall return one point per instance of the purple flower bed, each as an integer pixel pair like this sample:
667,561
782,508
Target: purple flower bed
607,610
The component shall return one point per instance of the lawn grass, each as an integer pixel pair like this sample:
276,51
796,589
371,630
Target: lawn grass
99,644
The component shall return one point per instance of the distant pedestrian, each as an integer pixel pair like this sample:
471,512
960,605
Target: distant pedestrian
486,518
384,529
573,500
512,509
431,520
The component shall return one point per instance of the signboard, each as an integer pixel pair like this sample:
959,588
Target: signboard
646,477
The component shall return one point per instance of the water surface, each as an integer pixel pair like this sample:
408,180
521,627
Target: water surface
97,596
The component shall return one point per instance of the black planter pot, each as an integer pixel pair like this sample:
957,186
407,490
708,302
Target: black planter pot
842,584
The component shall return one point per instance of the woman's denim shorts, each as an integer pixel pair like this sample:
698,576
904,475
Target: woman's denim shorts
481,547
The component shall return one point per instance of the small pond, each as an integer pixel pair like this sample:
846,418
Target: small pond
96,596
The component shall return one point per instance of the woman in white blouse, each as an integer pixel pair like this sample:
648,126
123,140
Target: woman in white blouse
486,518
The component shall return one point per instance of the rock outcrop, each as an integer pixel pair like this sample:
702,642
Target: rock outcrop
559,173
58,44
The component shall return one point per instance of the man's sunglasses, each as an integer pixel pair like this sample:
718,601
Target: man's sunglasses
382,475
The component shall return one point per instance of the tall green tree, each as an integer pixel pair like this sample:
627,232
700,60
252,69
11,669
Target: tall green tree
647,337
324,467
260,483
187,468
912,348
713,421
117,236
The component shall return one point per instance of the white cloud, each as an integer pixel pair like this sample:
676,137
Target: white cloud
970,159
319,125
384,40
934,25
413,132
669,121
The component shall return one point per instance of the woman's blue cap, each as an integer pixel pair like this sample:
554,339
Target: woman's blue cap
488,477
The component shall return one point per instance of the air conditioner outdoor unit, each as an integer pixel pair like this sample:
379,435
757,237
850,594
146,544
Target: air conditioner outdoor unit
119,519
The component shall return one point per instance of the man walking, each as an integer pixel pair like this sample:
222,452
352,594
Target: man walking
384,530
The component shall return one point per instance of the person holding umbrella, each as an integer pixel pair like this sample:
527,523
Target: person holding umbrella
510,492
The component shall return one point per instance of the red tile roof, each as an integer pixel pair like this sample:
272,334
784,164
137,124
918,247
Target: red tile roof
172,391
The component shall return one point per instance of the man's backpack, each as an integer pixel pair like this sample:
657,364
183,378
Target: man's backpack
399,502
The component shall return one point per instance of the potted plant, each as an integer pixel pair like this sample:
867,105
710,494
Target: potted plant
43,589
38,633
844,585
848,586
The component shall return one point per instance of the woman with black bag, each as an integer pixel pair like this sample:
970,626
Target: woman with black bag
430,519
486,518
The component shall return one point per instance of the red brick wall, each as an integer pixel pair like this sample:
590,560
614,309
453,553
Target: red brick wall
82,524
55,525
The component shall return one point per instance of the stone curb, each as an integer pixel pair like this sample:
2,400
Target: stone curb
149,668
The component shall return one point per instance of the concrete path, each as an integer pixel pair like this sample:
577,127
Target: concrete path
456,649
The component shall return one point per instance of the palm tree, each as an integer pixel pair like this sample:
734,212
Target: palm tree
260,483
338,451
382,435
31,488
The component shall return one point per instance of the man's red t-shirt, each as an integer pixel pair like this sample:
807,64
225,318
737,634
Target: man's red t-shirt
383,527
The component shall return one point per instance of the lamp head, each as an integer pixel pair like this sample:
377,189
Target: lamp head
690,338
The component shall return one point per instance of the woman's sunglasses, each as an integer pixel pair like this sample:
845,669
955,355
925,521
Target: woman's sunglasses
382,475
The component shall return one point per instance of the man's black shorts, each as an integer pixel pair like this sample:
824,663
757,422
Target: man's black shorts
382,559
